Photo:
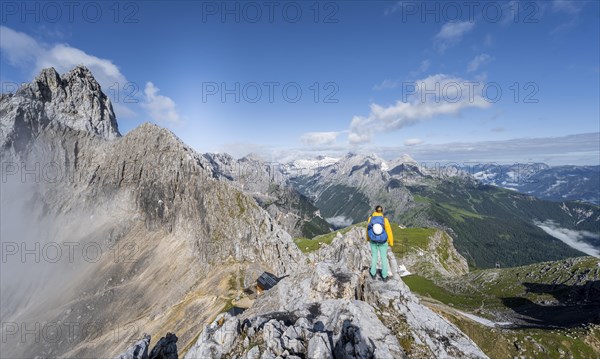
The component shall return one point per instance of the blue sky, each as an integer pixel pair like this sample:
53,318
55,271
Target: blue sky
370,61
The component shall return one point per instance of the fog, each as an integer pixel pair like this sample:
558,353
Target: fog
49,243
339,221
579,240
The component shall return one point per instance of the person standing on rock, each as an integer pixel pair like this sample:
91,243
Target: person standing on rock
379,233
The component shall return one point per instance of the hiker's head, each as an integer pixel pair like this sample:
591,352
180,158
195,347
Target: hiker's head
379,209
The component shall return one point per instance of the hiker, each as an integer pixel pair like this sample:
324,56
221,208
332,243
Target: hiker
379,233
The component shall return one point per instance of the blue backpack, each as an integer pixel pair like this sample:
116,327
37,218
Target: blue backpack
377,225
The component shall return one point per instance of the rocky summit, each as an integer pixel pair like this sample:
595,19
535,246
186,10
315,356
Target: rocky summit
74,100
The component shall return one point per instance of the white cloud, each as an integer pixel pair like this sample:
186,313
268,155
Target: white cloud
424,65
18,48
575,239
339,221
478,61
568,6
386,84
413,142
160,108
452,96
579,149
451,34
319,138
21,50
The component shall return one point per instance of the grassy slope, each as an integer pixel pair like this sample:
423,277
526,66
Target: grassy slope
308,245
580,343
482,291
404,239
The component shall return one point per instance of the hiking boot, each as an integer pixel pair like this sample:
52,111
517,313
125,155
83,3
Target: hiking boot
374,277
385,279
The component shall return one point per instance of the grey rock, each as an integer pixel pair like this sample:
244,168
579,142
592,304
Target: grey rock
139,350
268,185
267,354
226,335
253,353
319,347
74,100
272,337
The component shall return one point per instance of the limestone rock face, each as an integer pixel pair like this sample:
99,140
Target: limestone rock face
74,100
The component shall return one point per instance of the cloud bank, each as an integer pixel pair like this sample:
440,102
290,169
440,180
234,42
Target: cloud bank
575,239
452,95
23,51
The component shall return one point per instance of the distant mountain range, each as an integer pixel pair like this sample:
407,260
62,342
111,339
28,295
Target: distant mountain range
560,183
489,224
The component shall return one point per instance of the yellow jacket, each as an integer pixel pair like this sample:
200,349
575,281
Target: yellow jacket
388,228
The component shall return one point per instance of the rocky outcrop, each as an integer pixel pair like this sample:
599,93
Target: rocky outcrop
73,100
439,258
139,350
165,348
334,309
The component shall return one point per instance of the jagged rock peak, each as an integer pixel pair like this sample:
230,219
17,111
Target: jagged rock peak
74,99
156,138
50,78
253,157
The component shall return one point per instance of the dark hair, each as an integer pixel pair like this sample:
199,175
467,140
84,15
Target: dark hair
378,208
